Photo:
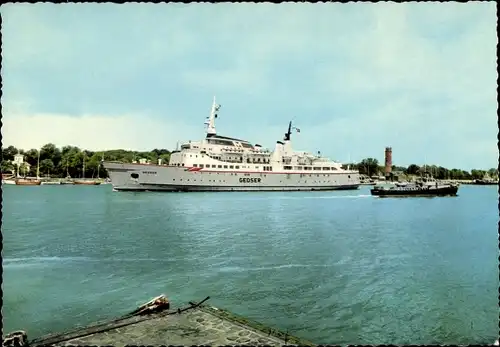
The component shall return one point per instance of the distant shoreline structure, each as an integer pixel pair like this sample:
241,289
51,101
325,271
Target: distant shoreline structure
67,161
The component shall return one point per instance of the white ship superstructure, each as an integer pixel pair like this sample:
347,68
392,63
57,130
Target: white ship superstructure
220,163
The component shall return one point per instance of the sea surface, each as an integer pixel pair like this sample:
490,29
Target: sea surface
331,267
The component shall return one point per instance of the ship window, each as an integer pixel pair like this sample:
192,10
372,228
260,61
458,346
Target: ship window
348,176
219,166
195,165
287,167
307,168
225,166
231,167
236,167
134,175
326,168
316,168
201,165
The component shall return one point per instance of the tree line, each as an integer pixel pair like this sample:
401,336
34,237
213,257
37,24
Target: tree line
371,167
68,160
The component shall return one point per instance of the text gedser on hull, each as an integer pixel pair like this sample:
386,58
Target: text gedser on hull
220,163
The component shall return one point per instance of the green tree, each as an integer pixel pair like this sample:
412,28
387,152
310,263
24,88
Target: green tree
493,173
7,166
47,166
413,169
165,158
9,153
23,170
92,165
441,173
368,166
50,151
31,157
477,174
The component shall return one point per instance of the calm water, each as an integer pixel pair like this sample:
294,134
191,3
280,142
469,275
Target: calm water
335,267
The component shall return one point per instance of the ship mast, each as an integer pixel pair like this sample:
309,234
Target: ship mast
210,122
38,166
83,169
289,132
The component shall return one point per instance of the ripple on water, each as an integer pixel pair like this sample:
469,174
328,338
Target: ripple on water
333,267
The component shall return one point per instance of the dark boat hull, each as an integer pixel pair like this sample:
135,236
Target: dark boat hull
87,183
486,183
418,192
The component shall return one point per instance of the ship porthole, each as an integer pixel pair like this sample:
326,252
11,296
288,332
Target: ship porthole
348,176
134,175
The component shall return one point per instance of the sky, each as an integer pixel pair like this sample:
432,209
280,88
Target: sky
355,78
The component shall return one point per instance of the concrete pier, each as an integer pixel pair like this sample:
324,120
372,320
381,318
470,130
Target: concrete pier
195,325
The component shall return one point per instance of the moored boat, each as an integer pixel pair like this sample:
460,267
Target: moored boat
50,183
486,182
87,182
27,182
418,189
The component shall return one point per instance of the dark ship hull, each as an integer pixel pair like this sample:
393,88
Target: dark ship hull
428,191
486,182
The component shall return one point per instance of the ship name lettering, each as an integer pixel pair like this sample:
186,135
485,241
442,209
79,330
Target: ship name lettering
250,180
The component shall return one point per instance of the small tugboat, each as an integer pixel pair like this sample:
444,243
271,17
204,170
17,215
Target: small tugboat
417,189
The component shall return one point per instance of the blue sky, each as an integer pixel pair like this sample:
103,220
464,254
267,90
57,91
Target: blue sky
355,78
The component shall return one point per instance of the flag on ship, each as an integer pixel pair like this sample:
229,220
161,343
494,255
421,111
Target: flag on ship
297,129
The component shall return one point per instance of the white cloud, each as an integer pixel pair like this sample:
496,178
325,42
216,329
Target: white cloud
355,77
93,132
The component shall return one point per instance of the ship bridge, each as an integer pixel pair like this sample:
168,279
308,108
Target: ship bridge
226,141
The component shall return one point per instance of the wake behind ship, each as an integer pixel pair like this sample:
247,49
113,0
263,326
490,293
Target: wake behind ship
220,163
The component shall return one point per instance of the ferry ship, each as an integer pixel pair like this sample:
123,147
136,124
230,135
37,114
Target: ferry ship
221,163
